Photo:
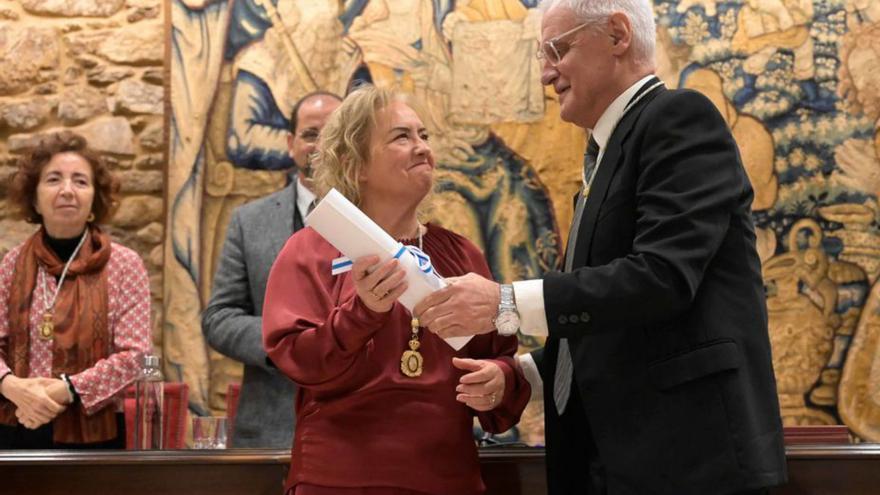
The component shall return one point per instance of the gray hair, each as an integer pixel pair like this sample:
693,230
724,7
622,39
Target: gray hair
597,12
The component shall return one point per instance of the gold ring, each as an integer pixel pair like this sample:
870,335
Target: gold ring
492,398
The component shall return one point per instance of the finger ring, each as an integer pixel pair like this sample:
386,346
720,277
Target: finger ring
492,398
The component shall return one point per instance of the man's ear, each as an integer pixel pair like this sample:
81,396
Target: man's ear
290,139
620,31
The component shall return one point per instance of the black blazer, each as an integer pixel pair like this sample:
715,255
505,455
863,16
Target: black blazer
665,312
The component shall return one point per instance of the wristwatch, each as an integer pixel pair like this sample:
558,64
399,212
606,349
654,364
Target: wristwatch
507,319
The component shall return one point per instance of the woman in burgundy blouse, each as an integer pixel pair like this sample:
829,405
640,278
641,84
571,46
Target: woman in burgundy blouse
372,419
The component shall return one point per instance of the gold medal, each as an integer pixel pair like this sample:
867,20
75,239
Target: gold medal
411,362
47,327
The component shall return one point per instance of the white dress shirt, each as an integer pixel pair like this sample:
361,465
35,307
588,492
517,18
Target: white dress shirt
304,198
529,294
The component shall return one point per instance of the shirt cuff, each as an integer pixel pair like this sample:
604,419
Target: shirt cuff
529,296
533,376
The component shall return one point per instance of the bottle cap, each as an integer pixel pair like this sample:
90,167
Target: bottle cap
151,361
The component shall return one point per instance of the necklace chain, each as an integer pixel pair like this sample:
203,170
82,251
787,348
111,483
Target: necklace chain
419,233
51,305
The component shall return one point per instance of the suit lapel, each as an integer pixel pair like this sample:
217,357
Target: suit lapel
611,159
283,214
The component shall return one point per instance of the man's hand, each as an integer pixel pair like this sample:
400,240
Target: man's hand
467,306
483,388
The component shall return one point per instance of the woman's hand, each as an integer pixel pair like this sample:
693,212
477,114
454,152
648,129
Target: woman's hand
483,388
56,388
34,406
378,285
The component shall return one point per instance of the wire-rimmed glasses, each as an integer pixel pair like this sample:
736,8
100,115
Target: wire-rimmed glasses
554,49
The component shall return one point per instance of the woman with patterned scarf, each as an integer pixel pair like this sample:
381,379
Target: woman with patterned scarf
74,306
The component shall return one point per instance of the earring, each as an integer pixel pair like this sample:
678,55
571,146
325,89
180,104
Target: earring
91,217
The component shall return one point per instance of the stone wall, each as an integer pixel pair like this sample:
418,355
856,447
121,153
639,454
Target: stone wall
96,67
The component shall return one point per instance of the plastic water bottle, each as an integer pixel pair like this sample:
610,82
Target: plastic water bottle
149,406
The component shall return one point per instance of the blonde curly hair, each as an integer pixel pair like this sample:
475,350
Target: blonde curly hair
344,146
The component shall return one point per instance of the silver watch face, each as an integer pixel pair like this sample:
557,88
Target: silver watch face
507,322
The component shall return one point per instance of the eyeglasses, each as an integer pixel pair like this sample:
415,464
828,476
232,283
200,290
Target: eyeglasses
309,135
554,49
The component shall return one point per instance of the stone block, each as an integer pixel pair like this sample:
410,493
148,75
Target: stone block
23,115
142,44
152,233
80,104
154,76
137,211
153,137
14,233
105,135
26,52
157,255
102,75
73,8
153,161
134,97
141,181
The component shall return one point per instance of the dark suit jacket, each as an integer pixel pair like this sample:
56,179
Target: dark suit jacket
665,313
232,322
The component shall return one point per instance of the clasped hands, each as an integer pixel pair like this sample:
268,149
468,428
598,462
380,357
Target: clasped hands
37,400
474,300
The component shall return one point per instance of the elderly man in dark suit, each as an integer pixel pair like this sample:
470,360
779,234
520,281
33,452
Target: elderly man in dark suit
232,321
657,362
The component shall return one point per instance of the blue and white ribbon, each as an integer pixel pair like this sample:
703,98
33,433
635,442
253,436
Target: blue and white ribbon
423,261
340,265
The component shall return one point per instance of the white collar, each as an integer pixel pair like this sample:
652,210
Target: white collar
304,197
612,115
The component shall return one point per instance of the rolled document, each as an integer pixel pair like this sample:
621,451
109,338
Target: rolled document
355,235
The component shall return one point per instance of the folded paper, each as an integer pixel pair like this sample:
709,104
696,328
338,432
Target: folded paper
355,235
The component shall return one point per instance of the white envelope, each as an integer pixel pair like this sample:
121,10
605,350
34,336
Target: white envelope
354,234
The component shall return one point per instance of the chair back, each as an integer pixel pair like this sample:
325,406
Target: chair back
233,392
176,404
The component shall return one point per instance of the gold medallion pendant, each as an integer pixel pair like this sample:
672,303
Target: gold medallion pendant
411,362
47,327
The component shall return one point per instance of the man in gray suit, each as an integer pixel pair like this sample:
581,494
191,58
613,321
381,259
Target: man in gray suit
232,322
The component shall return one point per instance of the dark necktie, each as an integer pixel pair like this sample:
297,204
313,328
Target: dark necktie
564,366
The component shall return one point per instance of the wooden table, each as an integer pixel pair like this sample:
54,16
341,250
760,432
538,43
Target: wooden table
813,470
832,470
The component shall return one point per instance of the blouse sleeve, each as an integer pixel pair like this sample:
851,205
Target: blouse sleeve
6,268
500,350
318,341
129,287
